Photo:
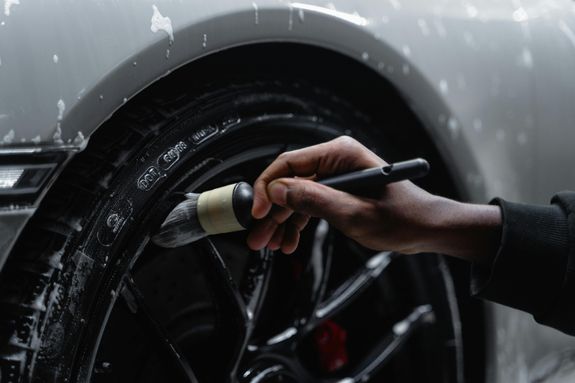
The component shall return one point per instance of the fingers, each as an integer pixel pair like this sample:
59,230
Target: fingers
337,156
307,198
268,232
311,198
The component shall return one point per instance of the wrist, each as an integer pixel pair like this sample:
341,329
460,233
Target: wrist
467,231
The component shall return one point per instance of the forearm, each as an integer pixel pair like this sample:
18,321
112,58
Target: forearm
467,231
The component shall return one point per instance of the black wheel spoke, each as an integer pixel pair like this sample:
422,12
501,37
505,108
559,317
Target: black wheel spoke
234,309
258,276
351,288
312,290
391,343
137,305
320,264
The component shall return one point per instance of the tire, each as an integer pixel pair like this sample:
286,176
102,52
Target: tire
62,286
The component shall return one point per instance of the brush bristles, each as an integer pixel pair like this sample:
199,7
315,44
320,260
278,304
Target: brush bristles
182,226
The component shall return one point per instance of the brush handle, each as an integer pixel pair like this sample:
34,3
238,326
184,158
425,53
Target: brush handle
228,208
364,180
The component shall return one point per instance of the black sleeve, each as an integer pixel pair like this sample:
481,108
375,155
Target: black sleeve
534,268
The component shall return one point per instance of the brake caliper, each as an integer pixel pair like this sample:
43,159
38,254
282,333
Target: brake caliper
330,341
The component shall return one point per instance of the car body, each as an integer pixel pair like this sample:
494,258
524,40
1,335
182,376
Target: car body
491,81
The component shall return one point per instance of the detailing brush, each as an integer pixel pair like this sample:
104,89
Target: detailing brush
228,209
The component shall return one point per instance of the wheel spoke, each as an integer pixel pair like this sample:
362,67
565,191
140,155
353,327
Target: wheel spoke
137,305
320,262
391,343
351,288
232,305
312,289
258,276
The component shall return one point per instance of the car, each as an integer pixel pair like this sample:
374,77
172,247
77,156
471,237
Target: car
111,111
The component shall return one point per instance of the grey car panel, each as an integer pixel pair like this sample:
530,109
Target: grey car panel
491,81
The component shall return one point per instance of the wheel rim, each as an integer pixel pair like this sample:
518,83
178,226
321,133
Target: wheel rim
254,354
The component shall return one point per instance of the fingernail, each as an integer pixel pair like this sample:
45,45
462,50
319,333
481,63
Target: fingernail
278,193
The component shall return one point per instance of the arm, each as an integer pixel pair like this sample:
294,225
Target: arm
405,218
523,255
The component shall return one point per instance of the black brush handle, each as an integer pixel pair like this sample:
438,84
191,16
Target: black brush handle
364,181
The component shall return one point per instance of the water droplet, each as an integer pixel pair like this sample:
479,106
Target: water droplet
443,86
8,5
161,23
365,56
522,138
520,15
101,97
301,15
461,84
477,125
406,50
205,41
405,69
57,137
79,140
167,54
9,137
469,39
256,13
395,4
135,63
439,28
422,24
61,108
471,11
36,140
526,59
529,121
453,127
55,59
290,18
3,23
380,65
568,32
125,100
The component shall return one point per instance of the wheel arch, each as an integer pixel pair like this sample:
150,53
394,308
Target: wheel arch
333,40
371,89
350,75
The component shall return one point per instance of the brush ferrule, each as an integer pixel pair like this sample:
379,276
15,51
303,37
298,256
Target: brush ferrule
218,208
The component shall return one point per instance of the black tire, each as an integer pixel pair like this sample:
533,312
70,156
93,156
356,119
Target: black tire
59,286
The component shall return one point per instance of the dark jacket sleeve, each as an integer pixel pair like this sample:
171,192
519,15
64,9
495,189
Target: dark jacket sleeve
534,268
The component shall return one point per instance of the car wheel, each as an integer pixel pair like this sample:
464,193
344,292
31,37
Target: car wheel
87,297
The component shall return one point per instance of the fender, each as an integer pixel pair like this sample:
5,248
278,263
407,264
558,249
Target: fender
70,82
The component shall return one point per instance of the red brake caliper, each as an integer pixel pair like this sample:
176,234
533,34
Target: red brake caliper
330,341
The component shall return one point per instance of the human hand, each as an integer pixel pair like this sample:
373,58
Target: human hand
396,221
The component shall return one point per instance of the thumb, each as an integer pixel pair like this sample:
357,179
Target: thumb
311,198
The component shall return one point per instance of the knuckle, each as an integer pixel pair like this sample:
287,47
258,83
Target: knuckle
347,142
303,200
284,156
